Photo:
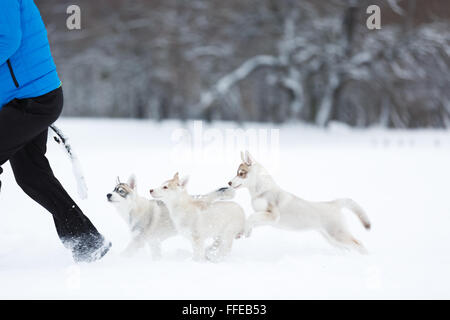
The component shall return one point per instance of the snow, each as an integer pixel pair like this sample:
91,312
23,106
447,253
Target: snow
400,177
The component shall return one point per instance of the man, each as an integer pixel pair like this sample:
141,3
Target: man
31,99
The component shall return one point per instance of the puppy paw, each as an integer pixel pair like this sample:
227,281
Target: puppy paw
212,255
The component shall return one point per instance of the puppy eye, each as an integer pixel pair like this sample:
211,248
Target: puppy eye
165,187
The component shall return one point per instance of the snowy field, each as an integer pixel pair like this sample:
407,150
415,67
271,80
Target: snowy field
401,178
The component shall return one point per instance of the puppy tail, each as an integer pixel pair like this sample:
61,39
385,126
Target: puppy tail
220,194
356,209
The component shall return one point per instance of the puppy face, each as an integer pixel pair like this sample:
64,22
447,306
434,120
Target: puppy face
169,189
123,193
244,173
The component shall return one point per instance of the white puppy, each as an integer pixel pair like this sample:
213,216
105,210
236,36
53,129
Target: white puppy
199,220
281,209
148,220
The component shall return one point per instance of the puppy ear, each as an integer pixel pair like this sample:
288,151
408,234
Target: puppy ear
132,181
184,181
118,180
250,159
176,178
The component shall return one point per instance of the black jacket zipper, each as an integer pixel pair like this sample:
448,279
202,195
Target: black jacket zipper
13,76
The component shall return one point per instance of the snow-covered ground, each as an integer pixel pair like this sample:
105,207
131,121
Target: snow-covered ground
401,178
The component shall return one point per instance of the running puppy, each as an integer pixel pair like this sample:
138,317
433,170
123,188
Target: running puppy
276,207
148,220
200,219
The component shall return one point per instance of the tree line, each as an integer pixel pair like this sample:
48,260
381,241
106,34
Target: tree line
256,60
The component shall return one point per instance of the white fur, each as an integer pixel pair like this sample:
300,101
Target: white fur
281,209
148,220
199,220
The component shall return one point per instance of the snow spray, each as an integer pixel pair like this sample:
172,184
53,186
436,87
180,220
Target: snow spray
61,139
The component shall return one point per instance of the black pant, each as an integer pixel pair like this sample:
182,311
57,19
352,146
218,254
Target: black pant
23,141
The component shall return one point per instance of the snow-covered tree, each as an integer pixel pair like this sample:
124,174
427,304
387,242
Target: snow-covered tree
259,60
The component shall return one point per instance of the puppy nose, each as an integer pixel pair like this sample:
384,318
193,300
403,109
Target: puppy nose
109,195
151,190
230,183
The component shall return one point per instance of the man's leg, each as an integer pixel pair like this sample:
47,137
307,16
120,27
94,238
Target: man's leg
23,120
34,175
23,138
16,129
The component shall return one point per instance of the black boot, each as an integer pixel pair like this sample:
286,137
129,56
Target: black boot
88,248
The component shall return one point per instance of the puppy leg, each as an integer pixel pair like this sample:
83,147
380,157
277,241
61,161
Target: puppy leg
225,246
256,219
268,217
155,249
357,245
136,243
345,239
212,252
198,246
333,241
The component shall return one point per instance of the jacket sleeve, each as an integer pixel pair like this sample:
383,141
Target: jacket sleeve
10,29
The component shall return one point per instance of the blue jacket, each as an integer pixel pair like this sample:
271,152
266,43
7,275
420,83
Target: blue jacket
27,69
